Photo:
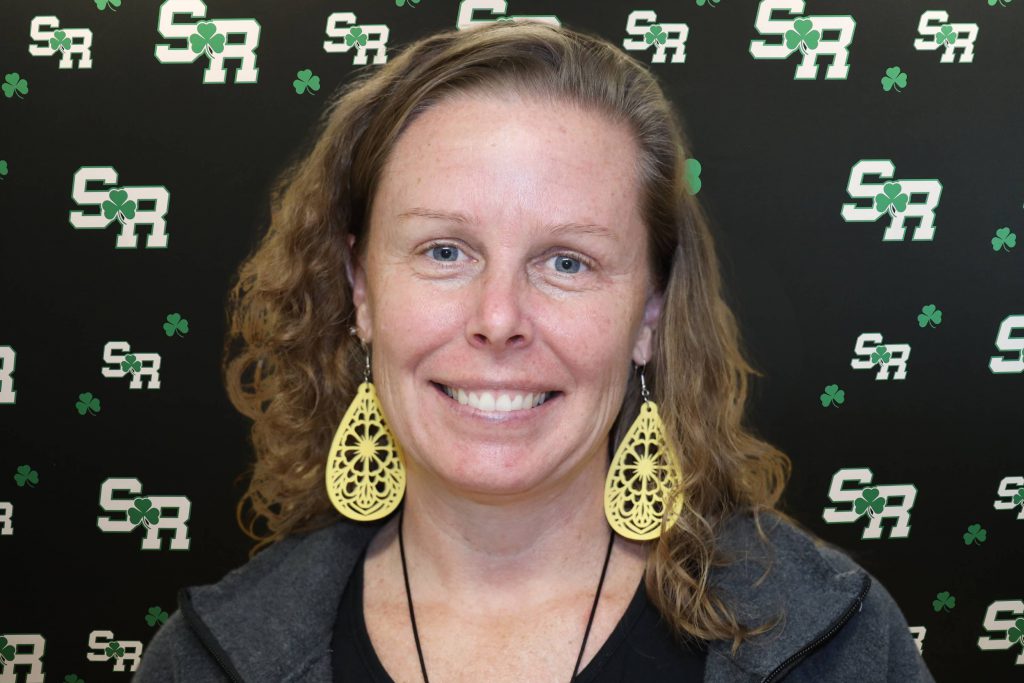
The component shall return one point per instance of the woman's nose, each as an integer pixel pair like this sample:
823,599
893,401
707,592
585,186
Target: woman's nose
498,319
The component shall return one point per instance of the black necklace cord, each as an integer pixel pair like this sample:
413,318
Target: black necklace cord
412,614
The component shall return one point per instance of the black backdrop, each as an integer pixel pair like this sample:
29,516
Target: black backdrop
929,433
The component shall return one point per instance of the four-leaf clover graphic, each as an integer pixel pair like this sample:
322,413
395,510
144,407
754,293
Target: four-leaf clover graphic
117,205
894,78
143,513
306,82
87,403
869,502
131,364
802,36
892,198
975,534
60,41
175,323
943,601
156,615
833,396
102,4
1005,239
115,650
26,475
880,355
355,35
1016,632
693,169
929,314
14,84
207,39
945,34
656,34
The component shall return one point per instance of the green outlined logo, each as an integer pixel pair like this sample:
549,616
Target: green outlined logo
212,40
125,654
130,206
899,200
806,35
345,34
869,352
151,513
1010,495
874,502
1005,618
662,36
49,39
121,361
1006,343
939,34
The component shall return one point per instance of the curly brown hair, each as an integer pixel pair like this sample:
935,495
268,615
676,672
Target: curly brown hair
291,364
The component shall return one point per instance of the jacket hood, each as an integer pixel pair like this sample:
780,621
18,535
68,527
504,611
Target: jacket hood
272,618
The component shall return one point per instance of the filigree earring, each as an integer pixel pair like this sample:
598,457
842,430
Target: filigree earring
365,472
642,474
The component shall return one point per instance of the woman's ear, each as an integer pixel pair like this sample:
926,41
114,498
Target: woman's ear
356,273
644,347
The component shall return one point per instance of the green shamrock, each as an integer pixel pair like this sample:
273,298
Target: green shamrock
1018,497
7,651
175,323
156,615
975,534
60,41
801,36
3,168
656,34
401,3
709,3
26,475
206,38
894,78
833,395
943,601
869,502
880,355
143,512
1016,631
928,315
73,678
13,83
693,169
946,34
306,81
131,364
355,35
102,4
1004,240
87,403
893,198
117,205
115,650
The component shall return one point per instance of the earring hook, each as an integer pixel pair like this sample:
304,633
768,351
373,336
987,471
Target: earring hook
644,394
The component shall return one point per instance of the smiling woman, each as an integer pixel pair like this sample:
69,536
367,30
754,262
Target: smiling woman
486,327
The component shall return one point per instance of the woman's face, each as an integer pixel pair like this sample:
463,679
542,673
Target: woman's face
506,260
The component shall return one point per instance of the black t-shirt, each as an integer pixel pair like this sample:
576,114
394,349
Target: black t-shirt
640,648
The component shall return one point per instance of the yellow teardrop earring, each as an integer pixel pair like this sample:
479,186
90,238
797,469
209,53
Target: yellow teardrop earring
642,474
365,471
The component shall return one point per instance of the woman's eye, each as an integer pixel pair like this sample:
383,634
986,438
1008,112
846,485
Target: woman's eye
567,264
444,252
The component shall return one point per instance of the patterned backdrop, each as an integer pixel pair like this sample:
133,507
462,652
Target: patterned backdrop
861,162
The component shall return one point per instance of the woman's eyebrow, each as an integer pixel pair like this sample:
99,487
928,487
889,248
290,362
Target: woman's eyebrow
456,217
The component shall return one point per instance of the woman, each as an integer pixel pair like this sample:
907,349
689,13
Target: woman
488,300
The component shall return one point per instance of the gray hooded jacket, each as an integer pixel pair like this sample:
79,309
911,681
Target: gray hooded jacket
271,620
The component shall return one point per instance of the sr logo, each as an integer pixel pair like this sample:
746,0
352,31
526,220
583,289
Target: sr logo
876,502
213,38
667,36
149,512
121,651
897,199
826,35
940,34
870,352
498,9
7,361
131,206
362,37
69,42
119,355
1011,495
1005,618
1008,344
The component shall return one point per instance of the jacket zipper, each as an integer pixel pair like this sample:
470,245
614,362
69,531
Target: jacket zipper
206,638
790,662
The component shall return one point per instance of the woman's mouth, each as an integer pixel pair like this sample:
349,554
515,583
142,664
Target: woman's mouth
496,401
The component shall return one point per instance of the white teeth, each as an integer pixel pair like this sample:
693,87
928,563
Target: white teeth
500,403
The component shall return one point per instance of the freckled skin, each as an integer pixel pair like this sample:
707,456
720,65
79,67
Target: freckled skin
501,311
